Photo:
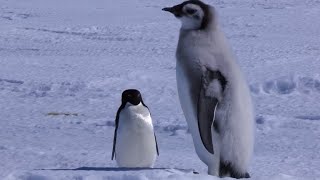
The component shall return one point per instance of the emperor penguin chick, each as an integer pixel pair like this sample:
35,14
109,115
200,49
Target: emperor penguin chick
134,144
213,93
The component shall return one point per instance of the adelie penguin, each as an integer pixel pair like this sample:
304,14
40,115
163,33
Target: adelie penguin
135,144
213,93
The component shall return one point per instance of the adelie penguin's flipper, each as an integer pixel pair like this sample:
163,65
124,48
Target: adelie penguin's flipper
155,138
212,87
115,131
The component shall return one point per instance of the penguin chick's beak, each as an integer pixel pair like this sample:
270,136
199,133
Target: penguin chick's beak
175,10
169,9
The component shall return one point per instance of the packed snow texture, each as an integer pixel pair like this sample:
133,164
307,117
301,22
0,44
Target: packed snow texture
64,64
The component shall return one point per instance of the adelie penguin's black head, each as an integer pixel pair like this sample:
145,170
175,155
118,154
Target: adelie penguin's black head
194,14
132,96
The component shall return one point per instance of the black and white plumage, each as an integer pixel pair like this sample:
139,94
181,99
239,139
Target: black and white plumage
213,93
134,143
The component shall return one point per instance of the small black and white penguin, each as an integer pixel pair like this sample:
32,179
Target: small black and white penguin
213,92
134,144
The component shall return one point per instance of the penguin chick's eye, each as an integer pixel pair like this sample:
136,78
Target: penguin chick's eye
191,11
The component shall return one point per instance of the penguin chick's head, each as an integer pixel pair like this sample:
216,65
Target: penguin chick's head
132,96
193,14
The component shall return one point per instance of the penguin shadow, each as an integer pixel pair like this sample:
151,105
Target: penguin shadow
119,169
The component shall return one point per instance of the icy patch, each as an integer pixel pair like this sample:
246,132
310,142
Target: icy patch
260,119
62,114
105,124
267,123
152,174
175,129
110,174
284,177
44,89
3,148
11,81
255,88
26,176
279,86
287,85
309,117
9,15
308,85
268,86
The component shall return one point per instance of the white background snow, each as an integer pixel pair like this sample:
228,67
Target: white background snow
78,56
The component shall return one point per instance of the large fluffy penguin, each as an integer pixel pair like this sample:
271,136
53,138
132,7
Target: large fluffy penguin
213,93
134,144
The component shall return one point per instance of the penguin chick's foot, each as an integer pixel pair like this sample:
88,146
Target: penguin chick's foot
226,169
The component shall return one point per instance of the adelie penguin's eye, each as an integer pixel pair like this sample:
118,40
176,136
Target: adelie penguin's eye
191,11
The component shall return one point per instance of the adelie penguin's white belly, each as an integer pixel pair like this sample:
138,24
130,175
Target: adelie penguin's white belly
136,146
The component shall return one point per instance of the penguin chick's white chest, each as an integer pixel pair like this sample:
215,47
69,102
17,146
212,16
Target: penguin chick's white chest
136,145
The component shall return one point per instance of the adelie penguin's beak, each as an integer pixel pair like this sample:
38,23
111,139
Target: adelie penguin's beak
175,10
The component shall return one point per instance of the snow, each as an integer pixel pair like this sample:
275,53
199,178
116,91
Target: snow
64,64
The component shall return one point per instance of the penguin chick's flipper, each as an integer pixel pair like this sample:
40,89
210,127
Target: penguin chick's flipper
212,86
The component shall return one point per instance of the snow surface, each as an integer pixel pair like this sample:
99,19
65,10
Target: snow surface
64,64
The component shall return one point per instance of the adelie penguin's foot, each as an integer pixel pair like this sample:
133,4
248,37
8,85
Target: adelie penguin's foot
226,169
